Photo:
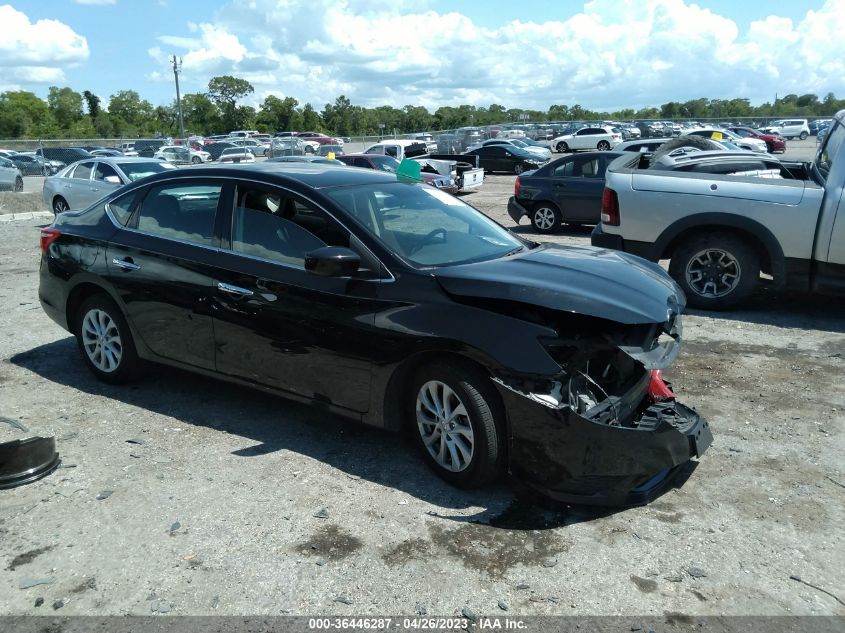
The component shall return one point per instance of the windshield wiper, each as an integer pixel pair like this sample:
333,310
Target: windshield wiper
518,249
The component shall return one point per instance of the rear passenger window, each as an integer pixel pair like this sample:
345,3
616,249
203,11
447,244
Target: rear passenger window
121,208
83,171
180,212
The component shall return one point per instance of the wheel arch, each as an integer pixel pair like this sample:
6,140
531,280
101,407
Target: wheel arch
772,260
402,375
80,293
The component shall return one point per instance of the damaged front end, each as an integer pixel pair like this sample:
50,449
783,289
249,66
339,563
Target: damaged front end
606,429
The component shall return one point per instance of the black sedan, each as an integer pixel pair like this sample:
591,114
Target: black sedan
392,303
508,159
568,189
32,165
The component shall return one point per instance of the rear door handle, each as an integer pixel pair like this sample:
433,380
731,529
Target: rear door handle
236,291
125,264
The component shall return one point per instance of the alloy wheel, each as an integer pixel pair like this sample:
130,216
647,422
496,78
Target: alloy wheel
713,273
603,146
444,425
544,218
60,206
101,340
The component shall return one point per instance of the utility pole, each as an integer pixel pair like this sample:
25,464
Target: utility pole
177,67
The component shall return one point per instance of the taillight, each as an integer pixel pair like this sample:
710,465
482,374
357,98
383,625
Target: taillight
516,187
48,236
609,207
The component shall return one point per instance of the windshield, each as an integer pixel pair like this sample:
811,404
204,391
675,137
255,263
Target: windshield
519,143
423,225
385,163
136,171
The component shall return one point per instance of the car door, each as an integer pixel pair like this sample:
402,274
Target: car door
8,173
581,139
162,262
277,324
578,186
76,187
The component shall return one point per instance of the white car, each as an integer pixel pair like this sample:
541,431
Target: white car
719,134
182,154
237,155
256,147
10,176
600,138
511,134
790,128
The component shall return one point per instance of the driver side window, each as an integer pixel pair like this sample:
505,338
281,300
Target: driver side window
279,227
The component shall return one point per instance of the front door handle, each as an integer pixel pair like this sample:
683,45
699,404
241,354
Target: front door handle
125,264
236,291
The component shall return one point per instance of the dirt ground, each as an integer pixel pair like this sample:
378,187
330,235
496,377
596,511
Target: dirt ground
185,495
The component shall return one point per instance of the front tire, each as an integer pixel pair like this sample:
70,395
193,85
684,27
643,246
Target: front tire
562,147
546,218
458,423
105,341
716,270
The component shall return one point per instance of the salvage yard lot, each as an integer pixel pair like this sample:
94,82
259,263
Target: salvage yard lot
184,495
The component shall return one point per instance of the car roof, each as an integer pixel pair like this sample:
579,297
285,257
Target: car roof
120,159
316,175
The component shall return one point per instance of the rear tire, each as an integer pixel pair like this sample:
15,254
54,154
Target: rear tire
196,160
60,205
18,184
716,270
546,218
802,136
518,168
105,340
457,421
603,146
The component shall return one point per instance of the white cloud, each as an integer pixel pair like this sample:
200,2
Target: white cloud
615,53
36,52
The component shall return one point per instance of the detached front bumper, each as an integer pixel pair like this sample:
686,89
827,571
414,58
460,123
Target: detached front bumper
574,459
516,210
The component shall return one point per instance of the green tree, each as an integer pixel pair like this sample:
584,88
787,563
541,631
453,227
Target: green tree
416,119
275,114
24,115
92,102
338,116
130,114
201,114
310,119
65,104
225,91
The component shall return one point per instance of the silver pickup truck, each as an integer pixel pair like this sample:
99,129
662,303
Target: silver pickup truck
722,230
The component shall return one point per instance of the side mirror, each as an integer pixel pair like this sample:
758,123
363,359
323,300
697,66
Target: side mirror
114,180
332,261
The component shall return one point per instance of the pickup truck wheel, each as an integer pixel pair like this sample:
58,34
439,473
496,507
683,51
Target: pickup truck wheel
546,218
802,136
716,271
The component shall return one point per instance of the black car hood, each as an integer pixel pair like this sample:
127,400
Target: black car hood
582,279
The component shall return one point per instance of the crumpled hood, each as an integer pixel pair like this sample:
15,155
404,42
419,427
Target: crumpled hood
582,279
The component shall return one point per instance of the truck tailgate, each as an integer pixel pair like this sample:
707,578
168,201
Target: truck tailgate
786,192
473,178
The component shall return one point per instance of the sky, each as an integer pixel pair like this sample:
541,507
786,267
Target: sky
601,54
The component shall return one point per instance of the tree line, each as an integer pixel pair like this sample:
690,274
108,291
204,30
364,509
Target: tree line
70,114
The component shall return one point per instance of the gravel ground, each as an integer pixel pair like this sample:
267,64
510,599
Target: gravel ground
185,495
